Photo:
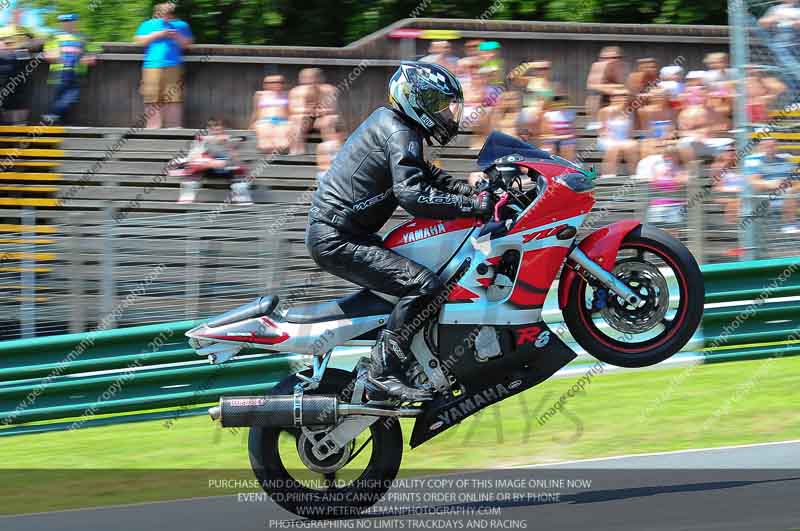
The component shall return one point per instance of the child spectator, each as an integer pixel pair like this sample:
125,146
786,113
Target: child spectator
729,182
672,84
312,105
668,182
773,173
214,155
69,57
606,77
165,38
558,128
270,118
615,139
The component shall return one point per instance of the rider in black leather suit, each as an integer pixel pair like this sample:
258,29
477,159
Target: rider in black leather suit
380,167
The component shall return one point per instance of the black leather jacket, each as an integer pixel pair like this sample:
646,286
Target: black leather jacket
380,167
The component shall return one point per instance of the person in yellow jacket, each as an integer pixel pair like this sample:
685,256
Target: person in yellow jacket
69,57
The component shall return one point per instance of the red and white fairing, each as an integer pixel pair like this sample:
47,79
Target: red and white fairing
430,242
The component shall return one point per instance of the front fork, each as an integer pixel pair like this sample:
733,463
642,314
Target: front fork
604,277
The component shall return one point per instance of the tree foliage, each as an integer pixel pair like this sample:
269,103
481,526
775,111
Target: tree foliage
338,22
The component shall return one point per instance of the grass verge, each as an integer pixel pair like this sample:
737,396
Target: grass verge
619,413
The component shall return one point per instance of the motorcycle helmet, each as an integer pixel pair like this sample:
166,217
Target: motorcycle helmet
429,95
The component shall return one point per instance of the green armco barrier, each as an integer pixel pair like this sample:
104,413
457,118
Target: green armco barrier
745,281
94,351
131,372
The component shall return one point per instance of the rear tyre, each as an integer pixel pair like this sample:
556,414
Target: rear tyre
293,487
665,274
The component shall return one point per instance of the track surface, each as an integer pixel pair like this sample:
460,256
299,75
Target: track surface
753,488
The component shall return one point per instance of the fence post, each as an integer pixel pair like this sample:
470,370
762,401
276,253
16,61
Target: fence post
695,210
108,285
77,317
27,307
191,267
739,35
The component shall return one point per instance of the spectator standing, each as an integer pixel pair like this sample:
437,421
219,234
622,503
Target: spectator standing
20,43
69,56
770,172
644,79
312,105
270,119
165,38
783,20
606,77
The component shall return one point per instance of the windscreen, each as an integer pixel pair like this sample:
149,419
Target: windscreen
501,145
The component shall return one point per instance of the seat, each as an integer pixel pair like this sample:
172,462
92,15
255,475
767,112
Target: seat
261,306
363,303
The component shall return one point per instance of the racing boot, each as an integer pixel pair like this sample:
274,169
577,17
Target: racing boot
386,367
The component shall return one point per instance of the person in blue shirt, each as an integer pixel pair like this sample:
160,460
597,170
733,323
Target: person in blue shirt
774,174
70,57
165,37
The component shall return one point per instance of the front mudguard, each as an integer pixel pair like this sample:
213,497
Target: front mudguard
602,247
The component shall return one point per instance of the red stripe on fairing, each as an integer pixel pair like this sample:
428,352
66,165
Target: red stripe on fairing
395,238
485,282
252,339
537,271
256,339
461,294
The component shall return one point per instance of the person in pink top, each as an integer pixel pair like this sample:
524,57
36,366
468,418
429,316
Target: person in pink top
270,118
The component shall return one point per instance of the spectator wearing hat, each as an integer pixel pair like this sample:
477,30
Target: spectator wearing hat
19,42
165,37
69,56
491,64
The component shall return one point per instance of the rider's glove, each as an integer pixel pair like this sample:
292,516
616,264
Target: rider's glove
483,205
461,188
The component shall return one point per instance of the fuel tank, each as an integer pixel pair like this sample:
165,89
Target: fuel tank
430,242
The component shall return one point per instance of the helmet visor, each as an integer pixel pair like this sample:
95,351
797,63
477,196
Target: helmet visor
446,106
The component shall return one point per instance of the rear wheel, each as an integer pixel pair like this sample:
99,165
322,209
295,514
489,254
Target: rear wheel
665,275
343,484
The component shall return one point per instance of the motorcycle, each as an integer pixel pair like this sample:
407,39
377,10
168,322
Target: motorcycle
631,296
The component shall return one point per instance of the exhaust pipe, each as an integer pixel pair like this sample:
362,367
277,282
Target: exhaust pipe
293,411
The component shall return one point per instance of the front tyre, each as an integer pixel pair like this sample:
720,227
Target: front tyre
344,484
662,271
